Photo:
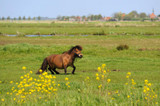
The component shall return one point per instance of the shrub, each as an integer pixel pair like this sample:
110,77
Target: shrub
122,47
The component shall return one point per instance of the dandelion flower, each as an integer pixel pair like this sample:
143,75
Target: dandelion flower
103,65
146,81
11,82
66,79
128,96
97,78
23,67
87,78
149,84
100,86
127,76
99,69
97,74
40,70
31,72
108,80
2,100
129,73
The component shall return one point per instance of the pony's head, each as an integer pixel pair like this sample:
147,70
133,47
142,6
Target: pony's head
76,50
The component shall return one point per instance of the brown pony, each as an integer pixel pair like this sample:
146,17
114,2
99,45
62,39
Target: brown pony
61,61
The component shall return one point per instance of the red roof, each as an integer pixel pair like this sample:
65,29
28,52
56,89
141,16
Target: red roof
152,16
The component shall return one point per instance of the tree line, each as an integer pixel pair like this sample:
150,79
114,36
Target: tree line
132,16
20,18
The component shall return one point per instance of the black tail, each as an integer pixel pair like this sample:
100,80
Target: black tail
43,66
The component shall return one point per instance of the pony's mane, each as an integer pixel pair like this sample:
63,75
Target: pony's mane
77,46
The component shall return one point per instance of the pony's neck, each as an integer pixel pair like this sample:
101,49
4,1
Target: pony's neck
72,54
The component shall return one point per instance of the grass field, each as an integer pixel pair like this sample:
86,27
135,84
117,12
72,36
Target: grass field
83,88
22,28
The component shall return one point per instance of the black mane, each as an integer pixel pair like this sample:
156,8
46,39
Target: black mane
77,46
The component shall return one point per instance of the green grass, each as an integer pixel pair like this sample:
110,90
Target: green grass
86,28
16,52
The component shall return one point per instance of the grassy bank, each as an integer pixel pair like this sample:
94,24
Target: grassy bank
16,52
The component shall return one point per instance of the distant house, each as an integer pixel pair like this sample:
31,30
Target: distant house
107,18
152,16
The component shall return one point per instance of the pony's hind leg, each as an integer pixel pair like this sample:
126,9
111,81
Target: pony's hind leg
50,69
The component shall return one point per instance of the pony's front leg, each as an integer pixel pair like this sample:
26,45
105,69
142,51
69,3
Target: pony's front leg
55,71
74,68
50,69
65,70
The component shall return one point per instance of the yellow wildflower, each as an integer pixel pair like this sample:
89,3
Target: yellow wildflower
127,76
149,84
104,71
23,67
99,69
146,81
148,89
2,100
87,78
58,84
128,96
66,79
109,93
0,81
31,72
100,86
40,70
11,82
97,78
103,65
108,80
129,73
102,76
97,74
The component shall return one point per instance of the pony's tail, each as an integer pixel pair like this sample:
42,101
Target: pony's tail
43,66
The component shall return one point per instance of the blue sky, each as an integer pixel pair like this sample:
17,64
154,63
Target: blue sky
54,8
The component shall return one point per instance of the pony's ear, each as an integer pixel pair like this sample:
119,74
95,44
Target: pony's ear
78,47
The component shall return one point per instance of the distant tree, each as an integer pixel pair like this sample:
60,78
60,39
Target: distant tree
24,18
14,18
84,18
34,18
39,18
19,18
118,15
142,15
29,18
3,18
8,18
133,14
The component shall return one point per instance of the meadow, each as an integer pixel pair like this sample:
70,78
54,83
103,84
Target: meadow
104,76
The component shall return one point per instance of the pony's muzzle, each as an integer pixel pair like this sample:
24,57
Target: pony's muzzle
80,55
